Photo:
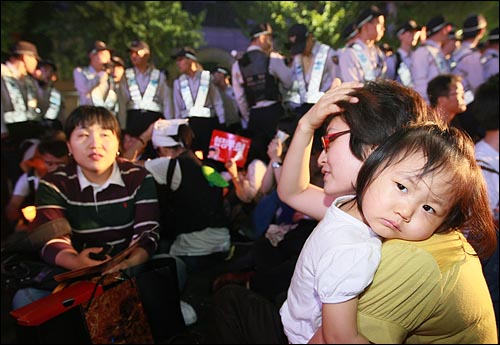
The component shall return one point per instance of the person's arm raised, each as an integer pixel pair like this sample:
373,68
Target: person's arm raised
294,187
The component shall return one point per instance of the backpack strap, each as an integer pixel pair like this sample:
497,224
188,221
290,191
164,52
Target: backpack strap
170,172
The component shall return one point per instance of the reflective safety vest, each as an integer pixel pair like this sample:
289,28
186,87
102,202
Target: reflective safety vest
310,93
110,101
197,109
370,72
146,101
54,105
22,110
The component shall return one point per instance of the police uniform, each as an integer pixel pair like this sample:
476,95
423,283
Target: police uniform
467,59
144,95
96,87
360,61
256,78
21,117
198,99
50,101
231,111
313,74
399,63
428,60
489,60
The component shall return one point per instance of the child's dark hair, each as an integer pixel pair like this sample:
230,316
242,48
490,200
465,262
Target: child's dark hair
56,147
87,115
445,149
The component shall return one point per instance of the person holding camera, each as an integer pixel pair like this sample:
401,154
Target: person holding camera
95,84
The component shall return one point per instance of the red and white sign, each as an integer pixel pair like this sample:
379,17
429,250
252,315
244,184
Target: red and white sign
227,146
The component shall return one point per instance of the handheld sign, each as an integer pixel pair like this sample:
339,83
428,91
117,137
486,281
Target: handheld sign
225,146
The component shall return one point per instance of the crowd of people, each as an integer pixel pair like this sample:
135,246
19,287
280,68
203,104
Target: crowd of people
369,195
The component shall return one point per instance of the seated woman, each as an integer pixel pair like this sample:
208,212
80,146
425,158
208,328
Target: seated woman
193,216
107,202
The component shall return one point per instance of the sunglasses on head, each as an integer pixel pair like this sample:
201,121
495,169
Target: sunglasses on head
327,139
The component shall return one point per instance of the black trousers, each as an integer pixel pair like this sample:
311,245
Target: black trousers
263,124
240,316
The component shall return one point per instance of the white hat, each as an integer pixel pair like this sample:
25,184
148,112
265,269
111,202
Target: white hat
164,130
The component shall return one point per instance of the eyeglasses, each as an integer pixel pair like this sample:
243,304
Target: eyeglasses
326,140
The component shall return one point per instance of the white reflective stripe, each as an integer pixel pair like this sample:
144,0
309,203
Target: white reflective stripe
404,74
299,77
148,97
468,97
198,109
438,59
98,99
366,65
145,102
199,112
15,94
313,93
54,105
201,96
15,116
186,92
22,111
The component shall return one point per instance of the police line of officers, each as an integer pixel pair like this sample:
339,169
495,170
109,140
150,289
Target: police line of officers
265,86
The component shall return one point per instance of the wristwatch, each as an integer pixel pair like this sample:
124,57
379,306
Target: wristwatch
276,165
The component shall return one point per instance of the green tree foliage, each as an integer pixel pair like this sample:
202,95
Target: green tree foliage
327,19
64,31
13,22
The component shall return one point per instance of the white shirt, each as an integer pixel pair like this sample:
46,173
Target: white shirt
338,261
22,187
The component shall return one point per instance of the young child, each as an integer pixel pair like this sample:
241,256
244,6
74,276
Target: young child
422,180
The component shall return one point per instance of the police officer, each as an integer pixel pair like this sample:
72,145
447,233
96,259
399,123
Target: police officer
21,116
489,60
428,60
50,101
144,93
256,78
314,68
364,60
197,98
452,43
467,59
94,83
221,79
399,63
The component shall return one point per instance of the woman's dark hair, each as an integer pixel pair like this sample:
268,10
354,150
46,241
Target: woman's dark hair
446,149
57,148
185,136
384,107
87,115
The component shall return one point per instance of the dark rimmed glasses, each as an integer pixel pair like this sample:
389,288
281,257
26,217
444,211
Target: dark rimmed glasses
326,140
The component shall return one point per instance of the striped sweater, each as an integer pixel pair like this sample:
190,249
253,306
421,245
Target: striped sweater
116,215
